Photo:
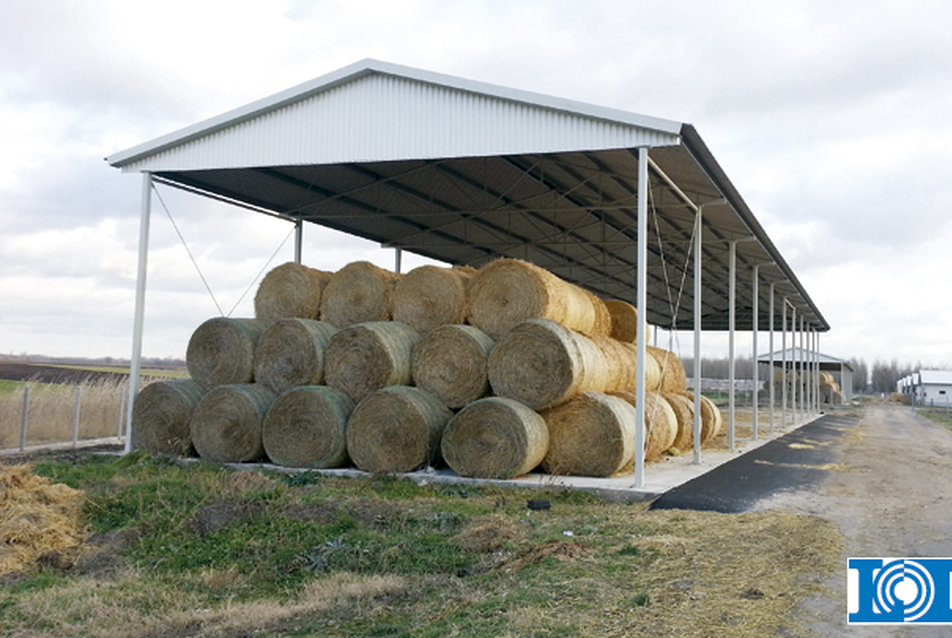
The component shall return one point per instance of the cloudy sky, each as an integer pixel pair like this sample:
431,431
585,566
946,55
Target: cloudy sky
833,118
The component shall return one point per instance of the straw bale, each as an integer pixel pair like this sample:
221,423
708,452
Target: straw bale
357,293
290,353
684,410
396,429
624,318
712,421
592,434
451,362
507,292
430,296
370,356
226,425
827,377
307,427
221,351
652,369
673,378
161,415
36,516
495,438
661,423
290,290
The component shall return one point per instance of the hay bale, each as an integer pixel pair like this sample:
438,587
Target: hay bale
290,353
592,434
661,423
712,421
226,424
221,351
507,292
451,362
370,356
430,296
396,429
684,411
307,427
673,378
624,318
652,370
495,438
357,293
161,415
290,290
827,377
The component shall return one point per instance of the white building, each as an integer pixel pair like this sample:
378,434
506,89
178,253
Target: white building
928,387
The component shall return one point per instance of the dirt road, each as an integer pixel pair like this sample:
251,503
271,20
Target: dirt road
891,496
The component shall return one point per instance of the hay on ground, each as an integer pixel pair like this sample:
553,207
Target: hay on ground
226,425
507,292
37,517
161,415
495,438
661,423
451,362
396,429
290,290
290,353
370,356
673,378
307,427
593,434
221,351
430,296
357,293
684,410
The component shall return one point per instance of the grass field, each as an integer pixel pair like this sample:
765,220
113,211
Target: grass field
195,549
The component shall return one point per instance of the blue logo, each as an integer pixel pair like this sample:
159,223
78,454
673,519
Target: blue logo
899,590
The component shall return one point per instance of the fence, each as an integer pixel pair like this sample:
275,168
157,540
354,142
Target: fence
47,415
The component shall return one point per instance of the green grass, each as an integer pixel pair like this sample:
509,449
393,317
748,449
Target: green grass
203,550
941,416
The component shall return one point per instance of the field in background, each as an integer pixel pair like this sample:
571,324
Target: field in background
53,393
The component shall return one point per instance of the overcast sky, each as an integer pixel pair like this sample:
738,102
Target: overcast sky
832,118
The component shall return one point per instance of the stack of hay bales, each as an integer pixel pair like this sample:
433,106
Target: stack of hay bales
495,372
830,391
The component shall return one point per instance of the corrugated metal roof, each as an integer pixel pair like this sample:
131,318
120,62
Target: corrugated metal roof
380,112
936,377
465,172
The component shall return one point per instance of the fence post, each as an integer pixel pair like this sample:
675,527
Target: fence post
23,419
79,394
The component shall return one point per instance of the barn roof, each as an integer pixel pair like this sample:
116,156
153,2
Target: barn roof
466,172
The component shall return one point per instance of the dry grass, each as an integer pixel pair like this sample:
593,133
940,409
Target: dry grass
52,409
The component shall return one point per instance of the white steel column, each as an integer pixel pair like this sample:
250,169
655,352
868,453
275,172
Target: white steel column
397,260
135,365
772,370
756,331
795,357
697,334
732,299
642,301
298,239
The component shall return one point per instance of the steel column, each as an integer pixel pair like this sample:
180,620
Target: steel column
771,368
298,239
135,364
642,303
697,333
756,333
732,311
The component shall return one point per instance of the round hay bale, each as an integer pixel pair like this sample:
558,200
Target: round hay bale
673,378
357,293
370,356
430,296
507,292
624,318
161,415
495,438
226,424
290,353
221,351
541,363
396,429
451,362
592,434
290,290
827,377
307,427
661,423
684,411
652,370
711,420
